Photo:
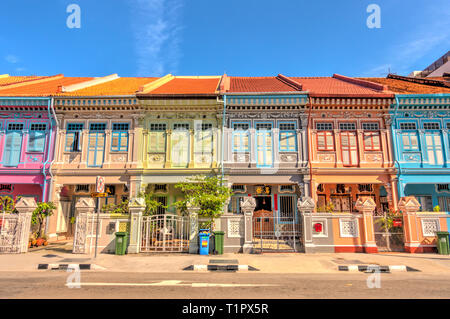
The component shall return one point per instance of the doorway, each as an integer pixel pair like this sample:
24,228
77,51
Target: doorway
263,203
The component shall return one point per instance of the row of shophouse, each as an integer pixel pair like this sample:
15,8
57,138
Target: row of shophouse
277,139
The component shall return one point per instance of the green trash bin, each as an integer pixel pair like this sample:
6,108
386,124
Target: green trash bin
218,239
442,242
121,243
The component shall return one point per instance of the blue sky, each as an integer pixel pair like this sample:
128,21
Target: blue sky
208,37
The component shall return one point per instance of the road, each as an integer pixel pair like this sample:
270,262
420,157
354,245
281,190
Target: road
212,285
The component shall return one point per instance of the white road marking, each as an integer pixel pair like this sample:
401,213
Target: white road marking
167,283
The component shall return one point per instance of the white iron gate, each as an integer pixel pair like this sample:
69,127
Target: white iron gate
275,234
165,233
388,238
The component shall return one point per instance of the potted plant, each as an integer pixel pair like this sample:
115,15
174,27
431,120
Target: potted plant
42,211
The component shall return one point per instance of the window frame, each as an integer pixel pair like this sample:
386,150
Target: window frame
289,148
241,133
121,134
44,132
80,131
98,134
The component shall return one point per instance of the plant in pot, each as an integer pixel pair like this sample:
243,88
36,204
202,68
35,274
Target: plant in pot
42,211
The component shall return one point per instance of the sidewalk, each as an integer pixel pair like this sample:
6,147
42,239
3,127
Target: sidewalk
266,263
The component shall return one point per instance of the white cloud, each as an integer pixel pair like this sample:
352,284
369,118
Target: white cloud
10,58
157,38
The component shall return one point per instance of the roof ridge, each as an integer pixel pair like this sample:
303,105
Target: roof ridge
147,88
423,81
368,84
292,83
31,81
88,83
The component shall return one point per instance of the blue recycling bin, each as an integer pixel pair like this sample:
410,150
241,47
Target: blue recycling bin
204,241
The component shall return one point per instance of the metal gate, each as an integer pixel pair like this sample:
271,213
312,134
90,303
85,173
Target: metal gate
275,234
165,233
388,231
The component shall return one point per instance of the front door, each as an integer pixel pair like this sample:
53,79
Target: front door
263,203
341,203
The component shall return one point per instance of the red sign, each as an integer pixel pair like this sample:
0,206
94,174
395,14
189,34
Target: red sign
397,223
317,227
100,184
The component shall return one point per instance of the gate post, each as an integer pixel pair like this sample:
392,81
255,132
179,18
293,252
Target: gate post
409,206
193,228
306,207
25,207
136,208
366,205
248,206
83,208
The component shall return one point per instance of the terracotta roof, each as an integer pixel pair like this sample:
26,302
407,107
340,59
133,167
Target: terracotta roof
339,85
402,86
120,86
262,84
180,85
7,80
47,87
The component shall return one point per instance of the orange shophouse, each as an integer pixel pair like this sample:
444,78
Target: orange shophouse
350,148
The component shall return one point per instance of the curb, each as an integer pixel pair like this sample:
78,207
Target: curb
376,268
220,268
69,266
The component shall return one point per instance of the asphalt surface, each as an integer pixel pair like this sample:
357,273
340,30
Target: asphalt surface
222,285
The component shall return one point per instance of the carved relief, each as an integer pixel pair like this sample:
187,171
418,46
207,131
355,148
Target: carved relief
288,157
326,157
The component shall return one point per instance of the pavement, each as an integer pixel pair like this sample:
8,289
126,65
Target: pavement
281,263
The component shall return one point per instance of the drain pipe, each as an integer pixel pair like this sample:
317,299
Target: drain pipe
223,135
396,153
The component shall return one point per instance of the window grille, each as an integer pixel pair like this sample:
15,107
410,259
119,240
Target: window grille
324,126
408,126
431,126
238,188
347,126
82,188
160,187
263,126
97,127
38,127
120,126
15,126
241,126
158,127
181,126
287,126
371,126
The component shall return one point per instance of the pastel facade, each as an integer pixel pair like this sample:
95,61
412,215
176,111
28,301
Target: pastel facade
181,127
349,143
265,143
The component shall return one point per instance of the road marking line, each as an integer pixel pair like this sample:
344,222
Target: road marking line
168,283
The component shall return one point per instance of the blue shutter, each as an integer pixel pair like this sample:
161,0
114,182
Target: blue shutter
13,146
36,141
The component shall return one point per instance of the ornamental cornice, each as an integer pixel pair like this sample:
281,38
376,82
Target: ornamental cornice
266,115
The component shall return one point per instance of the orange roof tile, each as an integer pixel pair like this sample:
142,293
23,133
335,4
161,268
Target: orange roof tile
261,84
44,88
16,79
406,87
120,86
188,86
340,86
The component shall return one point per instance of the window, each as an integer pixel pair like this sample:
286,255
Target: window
371,126
82,188
443,187
372,138
426,203
235,204
96,146
410,141
347,126
349,148
431,126
36,138
204,138
324,126
288,137
157,138
325,140
434,148
240,137
160,188
180,145
264,145
73,137
365,187
238,188
13,144
286,188
408,126
119,137
448,125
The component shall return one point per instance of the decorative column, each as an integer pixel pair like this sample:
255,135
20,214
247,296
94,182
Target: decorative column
252,147
193,228
276,147
84,146
305,206
83,208
106,152
25,207
360,145
366,206
168,163
191,148
136,208
409,207
248,206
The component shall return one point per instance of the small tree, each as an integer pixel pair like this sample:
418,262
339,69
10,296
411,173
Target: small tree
8,205
121,208
205,192
42,211
151,204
